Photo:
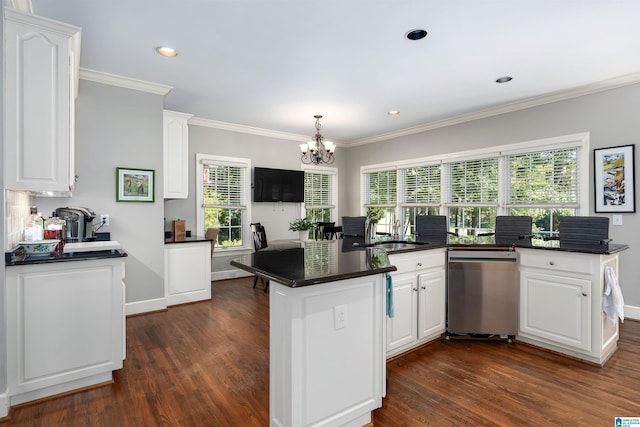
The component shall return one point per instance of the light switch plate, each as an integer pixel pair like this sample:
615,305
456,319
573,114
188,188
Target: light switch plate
617,220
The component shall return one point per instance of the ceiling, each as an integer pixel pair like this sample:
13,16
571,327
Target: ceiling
274,64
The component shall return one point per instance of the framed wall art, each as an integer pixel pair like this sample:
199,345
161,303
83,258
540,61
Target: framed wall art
614,179
135,185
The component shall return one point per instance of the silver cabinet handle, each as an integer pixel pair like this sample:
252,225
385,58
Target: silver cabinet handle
419,264
414,289
423,288
552,263
584,295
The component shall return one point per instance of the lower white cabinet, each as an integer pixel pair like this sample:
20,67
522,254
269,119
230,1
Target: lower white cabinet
65,326
187,272
561,303
419,300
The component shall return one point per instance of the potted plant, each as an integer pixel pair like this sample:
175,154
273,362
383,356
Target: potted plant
302,226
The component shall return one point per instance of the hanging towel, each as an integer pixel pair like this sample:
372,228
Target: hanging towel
612,301
389,295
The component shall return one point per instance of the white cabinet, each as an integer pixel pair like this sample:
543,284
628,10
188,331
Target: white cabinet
187,272
419,299
65,326
326,352
176,154
41,57
561,303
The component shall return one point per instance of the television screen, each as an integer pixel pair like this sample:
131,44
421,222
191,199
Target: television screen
278,185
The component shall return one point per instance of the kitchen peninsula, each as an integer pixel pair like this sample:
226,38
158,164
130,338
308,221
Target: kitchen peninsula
327,313
328,329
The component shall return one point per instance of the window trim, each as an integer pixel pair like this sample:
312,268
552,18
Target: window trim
201,160
580,140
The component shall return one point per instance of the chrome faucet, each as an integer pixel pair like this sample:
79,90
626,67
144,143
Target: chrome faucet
369,229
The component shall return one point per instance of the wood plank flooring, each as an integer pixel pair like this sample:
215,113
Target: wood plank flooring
207,364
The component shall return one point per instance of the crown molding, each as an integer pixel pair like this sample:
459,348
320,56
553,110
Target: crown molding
614,83
197,121
125,82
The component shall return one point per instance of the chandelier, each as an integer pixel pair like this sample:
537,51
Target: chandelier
318,150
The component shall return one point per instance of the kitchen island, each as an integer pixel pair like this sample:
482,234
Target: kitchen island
327,314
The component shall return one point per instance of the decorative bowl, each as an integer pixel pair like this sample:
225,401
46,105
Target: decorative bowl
40,248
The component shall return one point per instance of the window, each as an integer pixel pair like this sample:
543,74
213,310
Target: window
380,198
543,179
420,187
320,195
222,198
472,195
543,185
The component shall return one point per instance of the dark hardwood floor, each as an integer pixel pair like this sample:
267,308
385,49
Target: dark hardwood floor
206,364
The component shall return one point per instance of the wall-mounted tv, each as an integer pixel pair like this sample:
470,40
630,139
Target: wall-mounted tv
278,185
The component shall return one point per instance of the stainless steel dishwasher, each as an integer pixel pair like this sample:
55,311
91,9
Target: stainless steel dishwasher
482,295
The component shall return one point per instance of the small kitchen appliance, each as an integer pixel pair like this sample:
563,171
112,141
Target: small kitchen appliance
79,223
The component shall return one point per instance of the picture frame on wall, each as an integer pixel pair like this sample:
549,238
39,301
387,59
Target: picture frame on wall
135,185
614,179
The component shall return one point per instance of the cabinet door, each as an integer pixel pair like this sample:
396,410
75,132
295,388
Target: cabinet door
556,309
187,273
175,155
39,104
431,304
402,328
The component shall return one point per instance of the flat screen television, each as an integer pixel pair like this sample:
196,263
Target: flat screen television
278,185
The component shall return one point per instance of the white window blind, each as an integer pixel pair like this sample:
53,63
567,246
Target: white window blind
317,190
223,186
548,178
473,182
380,188
421,185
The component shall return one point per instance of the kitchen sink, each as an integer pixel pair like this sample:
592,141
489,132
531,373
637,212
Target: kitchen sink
394,246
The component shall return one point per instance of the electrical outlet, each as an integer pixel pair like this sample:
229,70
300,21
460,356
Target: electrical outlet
104,219
340,317
617,220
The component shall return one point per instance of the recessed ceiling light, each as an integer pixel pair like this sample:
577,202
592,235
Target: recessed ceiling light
393,112
166,51
416,34
504,79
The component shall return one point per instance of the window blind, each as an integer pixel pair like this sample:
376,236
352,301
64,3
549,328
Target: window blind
223,186
473,182
317,190
380,188
547,178
421,185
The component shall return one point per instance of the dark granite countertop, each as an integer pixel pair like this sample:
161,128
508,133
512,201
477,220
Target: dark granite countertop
315,262
322,261
190,239
22,259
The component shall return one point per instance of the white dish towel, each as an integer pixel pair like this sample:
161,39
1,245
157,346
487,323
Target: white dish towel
613,302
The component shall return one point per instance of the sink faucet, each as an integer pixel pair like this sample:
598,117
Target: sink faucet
369,229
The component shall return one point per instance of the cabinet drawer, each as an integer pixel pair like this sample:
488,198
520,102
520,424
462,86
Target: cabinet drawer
558,261
418,260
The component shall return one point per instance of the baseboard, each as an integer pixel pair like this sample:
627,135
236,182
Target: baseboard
229,274
631,312
4,406
146,306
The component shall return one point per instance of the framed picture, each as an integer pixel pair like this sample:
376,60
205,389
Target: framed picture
134,185
614,179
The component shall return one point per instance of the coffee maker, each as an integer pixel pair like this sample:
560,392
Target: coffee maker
79,223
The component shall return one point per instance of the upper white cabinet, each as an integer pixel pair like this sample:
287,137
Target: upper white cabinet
41,60
176,154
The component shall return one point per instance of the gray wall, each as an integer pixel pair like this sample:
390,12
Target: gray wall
611,117
117,127
263,152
